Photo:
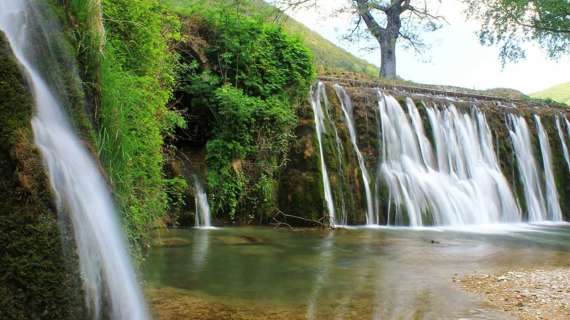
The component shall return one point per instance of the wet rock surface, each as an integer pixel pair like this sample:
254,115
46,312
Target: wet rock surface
525,294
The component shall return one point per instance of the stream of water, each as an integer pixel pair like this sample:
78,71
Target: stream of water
80,190
346,106
316,98
203,218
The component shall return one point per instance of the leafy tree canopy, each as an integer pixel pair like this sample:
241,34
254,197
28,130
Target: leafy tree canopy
512,23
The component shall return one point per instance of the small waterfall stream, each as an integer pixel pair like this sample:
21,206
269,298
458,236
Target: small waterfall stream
342,216
346,105
552,201
528,170
203,219
563,141
317,94
80,189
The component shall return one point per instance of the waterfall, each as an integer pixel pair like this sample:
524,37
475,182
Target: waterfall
528,170
202,206
342,217
552,201
317,94
563,140
346,105
461,184
80,190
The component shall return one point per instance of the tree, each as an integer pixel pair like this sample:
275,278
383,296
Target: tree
512,23
387,21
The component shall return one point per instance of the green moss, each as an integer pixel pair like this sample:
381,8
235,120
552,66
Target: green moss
37,278
300,188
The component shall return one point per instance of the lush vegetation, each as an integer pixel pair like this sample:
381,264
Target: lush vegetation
131,74
510,24
328,57
254,77
559,93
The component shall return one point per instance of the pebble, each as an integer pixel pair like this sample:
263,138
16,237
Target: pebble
526,294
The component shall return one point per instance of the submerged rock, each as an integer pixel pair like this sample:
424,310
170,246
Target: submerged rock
172,242
242,240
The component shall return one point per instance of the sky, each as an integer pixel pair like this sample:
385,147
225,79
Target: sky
455,56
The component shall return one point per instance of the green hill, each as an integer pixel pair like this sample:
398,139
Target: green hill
560,93
328,57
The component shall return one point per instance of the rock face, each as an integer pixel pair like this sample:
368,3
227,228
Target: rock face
38,278
301,190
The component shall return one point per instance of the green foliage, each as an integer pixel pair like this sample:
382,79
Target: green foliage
136,85
328,56
250,138
559,93
512,23
258,57
176,193
123,46
255,77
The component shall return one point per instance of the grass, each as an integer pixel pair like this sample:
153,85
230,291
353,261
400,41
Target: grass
559,93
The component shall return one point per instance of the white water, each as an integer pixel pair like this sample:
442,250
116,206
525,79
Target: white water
563,142
460,185
80,190
316,96
552,201
346,105
528,170
203,219
342,217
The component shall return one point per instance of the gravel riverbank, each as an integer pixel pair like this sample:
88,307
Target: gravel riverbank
525,294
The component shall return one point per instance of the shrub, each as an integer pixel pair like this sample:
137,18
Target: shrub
255,76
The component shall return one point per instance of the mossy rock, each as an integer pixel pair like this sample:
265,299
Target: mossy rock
300,187
38,278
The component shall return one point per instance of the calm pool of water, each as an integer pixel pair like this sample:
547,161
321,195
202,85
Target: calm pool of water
350,273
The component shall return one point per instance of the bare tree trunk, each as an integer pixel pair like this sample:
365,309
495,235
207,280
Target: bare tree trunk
388,56
386,36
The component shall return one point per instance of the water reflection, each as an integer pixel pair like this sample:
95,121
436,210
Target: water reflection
324,264
201,241
350,274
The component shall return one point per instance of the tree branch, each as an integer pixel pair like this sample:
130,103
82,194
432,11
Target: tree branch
364,12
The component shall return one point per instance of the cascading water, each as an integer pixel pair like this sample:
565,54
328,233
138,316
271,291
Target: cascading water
528,170
203,219
317,93
461,185
552,201
563,140
79,188
346,105
342,217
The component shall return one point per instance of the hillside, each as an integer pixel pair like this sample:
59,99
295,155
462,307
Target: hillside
560,93
329,58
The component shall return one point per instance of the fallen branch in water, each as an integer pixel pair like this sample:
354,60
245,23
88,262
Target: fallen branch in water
278,223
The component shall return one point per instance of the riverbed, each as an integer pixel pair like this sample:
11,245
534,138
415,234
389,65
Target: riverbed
348,273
